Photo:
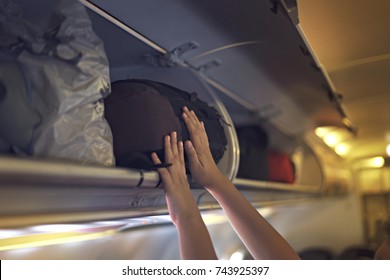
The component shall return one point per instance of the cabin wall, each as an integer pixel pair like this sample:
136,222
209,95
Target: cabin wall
142,243
333,223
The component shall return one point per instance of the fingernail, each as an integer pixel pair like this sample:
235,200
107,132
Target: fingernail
188,144
174,134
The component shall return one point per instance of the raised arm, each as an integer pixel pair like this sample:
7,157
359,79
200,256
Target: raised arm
194,239
260,238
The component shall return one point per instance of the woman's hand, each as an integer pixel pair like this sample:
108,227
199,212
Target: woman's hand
194,239
181,204
202,165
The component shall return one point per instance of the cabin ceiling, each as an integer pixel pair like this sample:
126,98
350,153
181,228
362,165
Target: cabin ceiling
351,39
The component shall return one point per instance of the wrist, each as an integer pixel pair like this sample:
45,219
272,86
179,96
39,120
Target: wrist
219,182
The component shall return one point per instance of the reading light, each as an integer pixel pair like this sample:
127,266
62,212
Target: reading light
378,161
374,162
322,131
341,149
333,136
330,140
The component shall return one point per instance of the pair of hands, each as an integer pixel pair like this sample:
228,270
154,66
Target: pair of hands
201,163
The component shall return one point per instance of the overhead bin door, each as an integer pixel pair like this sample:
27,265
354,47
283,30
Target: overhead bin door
258,70
249,51
251,54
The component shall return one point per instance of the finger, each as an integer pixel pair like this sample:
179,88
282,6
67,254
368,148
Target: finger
195,127
174,147
181,156
165,176
191,124
191,154
191,114
191,117
204,131
156,160
181,151
186,117
194,117
168,149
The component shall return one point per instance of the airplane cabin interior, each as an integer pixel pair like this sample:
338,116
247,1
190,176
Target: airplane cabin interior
312,77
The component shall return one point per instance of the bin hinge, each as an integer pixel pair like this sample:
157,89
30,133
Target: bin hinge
290,7
171,58
208,65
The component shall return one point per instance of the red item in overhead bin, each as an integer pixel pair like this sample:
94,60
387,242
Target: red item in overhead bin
280,167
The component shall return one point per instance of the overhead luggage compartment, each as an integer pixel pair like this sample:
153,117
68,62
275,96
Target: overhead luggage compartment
247,61
254,58
251,52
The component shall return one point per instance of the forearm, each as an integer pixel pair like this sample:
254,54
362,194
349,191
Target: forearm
261,239
194,239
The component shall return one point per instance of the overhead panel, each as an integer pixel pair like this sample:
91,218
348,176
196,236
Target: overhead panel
121,48
259,54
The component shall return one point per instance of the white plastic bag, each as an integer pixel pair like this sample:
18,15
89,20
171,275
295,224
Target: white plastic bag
68,75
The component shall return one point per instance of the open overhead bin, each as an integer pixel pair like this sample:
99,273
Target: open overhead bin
253,55
247,61
252,52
